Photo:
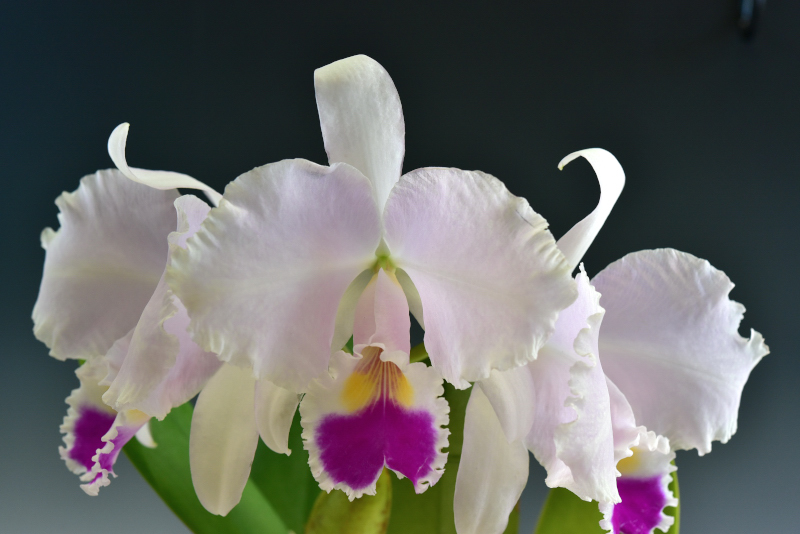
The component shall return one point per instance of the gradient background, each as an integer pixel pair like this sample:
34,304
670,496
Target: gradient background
705,125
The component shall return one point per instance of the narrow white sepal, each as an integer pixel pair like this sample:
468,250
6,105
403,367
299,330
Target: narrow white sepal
155,179
576,242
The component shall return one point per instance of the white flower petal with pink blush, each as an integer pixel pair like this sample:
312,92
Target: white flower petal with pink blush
487,270
374,408
471,257
263,277
670,342
103,264
571,434
94,434
162,367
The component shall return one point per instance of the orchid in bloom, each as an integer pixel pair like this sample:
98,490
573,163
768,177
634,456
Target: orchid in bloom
672,351
103,299
299,257
666,334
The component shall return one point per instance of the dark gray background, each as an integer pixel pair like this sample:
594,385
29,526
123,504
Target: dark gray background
705,125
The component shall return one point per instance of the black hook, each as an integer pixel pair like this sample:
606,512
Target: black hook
749,15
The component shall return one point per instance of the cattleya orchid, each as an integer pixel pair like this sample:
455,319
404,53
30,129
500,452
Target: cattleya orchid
667,335
274,280
103,299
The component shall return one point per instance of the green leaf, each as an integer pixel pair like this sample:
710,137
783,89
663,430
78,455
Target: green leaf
334,513
166,469
565,513
286,481
418,353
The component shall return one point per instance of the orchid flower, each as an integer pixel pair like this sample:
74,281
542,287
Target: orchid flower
274,279
672,351
667,336
103,299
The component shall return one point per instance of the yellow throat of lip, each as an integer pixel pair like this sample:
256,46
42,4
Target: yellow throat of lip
630,465
374,380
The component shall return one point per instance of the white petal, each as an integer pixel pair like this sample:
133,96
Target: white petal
670,342
491,474
102,265
382,315
512,394
362,120
572,435
275,409
263,277
576,242
163,367
223,439
156,179
489,275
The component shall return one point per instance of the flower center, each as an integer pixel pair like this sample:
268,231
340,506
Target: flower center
374,380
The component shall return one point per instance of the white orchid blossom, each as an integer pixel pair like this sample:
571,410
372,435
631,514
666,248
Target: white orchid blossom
666,334
274,279
103,299
671,349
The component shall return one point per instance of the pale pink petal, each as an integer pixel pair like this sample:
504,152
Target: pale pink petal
275,408
382,315
489,275
102,266
263,277
163,367
572,436
345,313
576,242
223,439
155,179
491,474
362,120
670,342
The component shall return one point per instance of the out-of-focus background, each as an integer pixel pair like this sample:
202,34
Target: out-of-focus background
705,123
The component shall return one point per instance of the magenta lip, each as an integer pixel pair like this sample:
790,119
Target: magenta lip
354,448
642,503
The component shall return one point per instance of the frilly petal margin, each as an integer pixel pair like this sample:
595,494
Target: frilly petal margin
155,179
474,250
102,265
162,367
572,436
643,488
644,461
491,474
670,342
94,434
579,238
362,120
405,432
300,234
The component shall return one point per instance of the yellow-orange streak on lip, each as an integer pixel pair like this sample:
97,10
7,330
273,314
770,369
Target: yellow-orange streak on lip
374,379
628,466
